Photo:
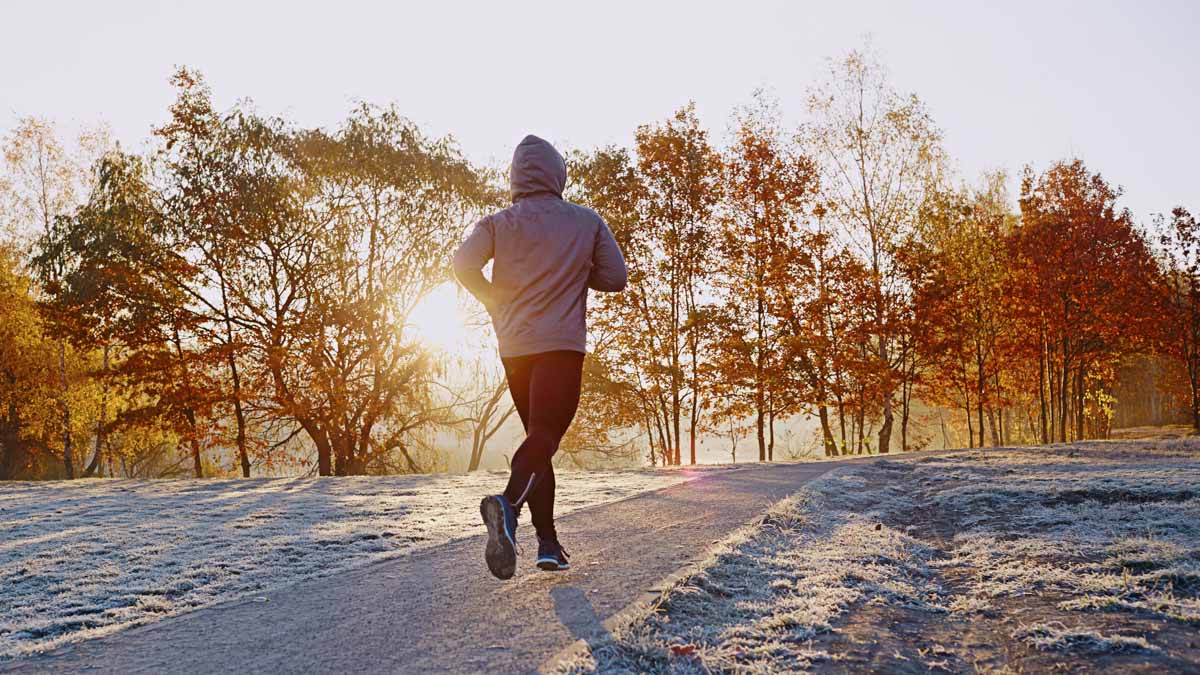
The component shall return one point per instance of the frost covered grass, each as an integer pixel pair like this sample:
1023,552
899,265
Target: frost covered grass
1083,556
763,596
85,558
1106,528
1059,637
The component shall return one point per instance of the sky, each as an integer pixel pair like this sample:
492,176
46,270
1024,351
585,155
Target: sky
1010,83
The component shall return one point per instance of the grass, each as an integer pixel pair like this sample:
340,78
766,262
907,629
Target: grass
1084,556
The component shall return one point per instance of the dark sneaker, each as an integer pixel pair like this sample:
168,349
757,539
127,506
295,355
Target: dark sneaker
501,521
551,556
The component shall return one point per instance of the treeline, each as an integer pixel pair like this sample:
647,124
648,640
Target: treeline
841,271
243,289
239,295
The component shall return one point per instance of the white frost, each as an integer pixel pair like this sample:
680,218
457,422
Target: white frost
85,558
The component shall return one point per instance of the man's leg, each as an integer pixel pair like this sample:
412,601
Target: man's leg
554,381
553,398
498,513
517,372
554,392
541,505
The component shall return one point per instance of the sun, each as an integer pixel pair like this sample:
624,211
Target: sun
442,321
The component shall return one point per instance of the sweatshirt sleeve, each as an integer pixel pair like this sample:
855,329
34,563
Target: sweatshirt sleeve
608,265
472,256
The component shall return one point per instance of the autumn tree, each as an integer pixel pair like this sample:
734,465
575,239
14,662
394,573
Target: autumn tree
878,151
629,339
1179,295
45,181
28,375
816,290
680,172
127,289
958,266
358,231
1083,274
768,187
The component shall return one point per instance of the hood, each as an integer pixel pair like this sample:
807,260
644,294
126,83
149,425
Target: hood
537,167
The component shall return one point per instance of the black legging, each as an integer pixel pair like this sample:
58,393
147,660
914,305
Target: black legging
545,389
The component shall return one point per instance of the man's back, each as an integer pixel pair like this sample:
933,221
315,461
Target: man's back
547,253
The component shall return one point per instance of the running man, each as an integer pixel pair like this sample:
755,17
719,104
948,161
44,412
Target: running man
547,253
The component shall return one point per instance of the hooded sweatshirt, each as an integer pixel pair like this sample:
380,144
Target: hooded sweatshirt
547,253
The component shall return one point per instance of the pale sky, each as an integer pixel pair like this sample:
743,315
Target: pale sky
1116,83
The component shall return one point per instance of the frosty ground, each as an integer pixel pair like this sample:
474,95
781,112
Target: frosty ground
85,558
1068,557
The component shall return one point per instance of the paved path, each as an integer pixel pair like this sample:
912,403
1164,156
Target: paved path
439,610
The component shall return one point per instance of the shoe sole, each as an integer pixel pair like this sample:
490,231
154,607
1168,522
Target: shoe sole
500,553
549,565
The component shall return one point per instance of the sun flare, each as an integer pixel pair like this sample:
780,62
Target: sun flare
443,322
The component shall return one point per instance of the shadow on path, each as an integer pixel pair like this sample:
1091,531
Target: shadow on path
575,611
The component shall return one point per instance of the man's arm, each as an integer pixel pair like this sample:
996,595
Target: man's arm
470,259
608,265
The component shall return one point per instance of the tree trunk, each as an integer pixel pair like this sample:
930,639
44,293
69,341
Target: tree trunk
761,430
885,429
194,441
664,442
10,436
675,413
771,436
694,418
68,459
1081,400
98,453
197,466
979,417
980,383
1195,407
992,426
841,406
239,414
862,427
1063,398
970,430
827,432
476,450
1042,390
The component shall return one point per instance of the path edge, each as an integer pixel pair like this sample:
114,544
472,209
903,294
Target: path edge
649,598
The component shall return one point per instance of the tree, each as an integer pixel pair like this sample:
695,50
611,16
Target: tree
45,181
958,267
1179,295
1082,274
680,173
629,342
127,289
769,186
878,151
817,292
27,375
360,231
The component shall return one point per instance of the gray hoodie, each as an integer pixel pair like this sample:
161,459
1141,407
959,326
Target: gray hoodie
548,252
